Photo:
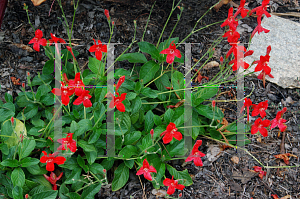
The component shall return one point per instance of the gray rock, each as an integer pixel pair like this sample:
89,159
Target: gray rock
284,39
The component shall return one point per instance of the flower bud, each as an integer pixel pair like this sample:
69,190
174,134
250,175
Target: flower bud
28,74
104,170
26,196
180,195
113,23
12,120
221,60
151,133
106,12
23,85
213,103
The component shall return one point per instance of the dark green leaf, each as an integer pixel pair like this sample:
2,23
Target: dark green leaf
128,151
10,163
207,111
87,147
185,177
150,49
133,58
148,92
45,195
43,78
73,195
129,163
48,67
120,178
148,71
81,163
91,156
74,176
96,168
26,147
17,192
90,191
18,177
8,98
28,161
168,115
132,137
149,121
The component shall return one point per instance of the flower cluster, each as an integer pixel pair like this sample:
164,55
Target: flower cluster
261,125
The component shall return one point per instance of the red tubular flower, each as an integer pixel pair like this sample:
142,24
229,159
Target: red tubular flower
230,21
241,10
55,39
172,184
98,49
171,132
65,93
171,53
12,120
67,142
120,82
78,84
262,63
71,51
232,36
38,40
247,104
260,126
84,98
146,169
106,12
117,101
53,179
260,109
239,55
51,159
261,172
196,154
279,121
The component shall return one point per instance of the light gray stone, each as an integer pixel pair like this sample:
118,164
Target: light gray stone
284,38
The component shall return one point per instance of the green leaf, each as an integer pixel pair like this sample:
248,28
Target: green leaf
96,168
70,164
73,195
35,169
48,67
7,111
18,177
149,121
158,178
124,121
185,177
130,96
132,137
150,49
120,178
30,111
178,83
45,195
128,151
26,162
168,115
81,163
146,142
208,112
26,147
63,190
136,104
8,98
148,71
74,176
91,156
215,134
148,92
90,191
17,192
95,136
87,147
133,58
95,65
129,163
10,163
39,81
138,87
176,148
85,125
135,117
207,92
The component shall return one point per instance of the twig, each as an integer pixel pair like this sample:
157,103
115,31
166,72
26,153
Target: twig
282,150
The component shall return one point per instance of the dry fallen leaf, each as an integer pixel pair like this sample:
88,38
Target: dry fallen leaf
15,81
24,47
159,193
211,65
213,153
235,159
37,2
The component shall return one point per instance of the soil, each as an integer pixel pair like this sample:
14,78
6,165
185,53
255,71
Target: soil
221,178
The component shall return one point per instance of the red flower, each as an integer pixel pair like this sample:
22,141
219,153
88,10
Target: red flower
260,126
241,10
38,40
117,101
262,63
146,169
84,98
239,55
172,184
260,109
261,173
98,49
279,121
106,12
247,104
51,159
171,132
67,142
65,92
71,51
120,82
260,10
196,154
230,21
232,36
78,84
53,178
171,53
55,39
12,120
